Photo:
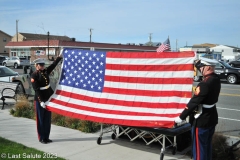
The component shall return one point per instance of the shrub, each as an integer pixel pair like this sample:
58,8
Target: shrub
22,108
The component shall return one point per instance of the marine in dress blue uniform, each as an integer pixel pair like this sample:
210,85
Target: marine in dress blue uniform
43,91
202,110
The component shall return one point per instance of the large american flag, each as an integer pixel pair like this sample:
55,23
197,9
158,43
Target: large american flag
124,88
165,46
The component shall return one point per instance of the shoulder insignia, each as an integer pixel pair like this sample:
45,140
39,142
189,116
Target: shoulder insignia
197,91
32,80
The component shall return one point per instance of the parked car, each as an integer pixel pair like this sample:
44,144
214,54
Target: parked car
235,63
2,58
225,72
16,62
6,74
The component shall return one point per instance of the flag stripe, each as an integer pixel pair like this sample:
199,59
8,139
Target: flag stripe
186,94
107,115
160,74
150,61
120,97
170,55
122,122
119,110
149,80
145,67
109,101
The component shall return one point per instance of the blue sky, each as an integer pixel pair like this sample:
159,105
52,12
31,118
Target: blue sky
127,21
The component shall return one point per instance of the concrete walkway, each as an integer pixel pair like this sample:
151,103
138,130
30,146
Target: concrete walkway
75,145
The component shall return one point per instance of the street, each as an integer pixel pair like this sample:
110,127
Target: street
228,108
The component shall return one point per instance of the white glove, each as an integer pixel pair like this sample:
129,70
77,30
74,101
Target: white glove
43,105
178,120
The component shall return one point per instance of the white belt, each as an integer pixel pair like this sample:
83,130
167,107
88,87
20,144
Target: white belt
199,111
46,87
208,106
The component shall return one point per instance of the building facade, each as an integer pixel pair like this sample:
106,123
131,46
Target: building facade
51,48
4,39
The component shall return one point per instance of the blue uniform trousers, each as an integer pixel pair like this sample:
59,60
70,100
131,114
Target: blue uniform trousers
43,119
202,143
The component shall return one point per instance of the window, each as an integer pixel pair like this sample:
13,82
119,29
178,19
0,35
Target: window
4,39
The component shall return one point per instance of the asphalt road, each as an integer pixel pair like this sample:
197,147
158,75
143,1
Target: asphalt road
228,108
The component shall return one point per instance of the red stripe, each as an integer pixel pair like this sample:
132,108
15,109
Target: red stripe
197,145
108,111
146,80
120,102
148,93
122,122
150,54
172,67
35,107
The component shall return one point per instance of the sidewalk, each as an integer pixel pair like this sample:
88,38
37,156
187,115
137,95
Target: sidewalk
76,145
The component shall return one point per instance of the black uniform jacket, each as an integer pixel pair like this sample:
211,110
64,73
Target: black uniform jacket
206,92
41,79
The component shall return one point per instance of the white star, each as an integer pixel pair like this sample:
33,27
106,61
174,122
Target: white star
86,77
93,70
71,75
74,79
72,52
84,85
69,82
66,51
102,55
79,53
93,62
86,62
89,82
83,73
101,63
94,54
99,88
77,83
101,71
100,79
91,86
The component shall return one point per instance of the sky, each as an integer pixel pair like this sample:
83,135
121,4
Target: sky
185,22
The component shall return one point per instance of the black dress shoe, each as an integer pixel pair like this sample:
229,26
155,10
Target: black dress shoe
49,140
43,141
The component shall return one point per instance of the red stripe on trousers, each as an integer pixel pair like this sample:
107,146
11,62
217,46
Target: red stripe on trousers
197,145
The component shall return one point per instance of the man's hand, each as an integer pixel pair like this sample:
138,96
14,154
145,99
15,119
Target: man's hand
178,120
42,105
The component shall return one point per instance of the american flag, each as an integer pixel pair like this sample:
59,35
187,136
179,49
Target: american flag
165,46
124,88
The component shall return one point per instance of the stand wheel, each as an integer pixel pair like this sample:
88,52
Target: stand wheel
113,136
99,140
161,156
174,150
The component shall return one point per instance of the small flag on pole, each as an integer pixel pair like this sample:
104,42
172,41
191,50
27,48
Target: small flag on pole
165,46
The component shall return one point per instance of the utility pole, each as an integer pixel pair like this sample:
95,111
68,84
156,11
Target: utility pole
90,29
17,29
176,44
48,44
150,39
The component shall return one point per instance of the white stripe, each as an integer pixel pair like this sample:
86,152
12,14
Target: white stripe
94,105
150,74
130,98
151,87
112,116
152,61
